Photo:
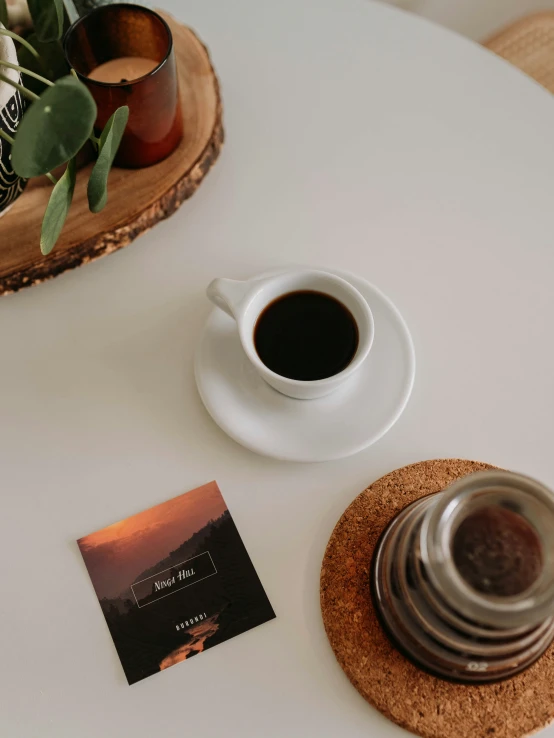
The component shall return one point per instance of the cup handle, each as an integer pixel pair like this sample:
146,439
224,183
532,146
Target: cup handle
227,294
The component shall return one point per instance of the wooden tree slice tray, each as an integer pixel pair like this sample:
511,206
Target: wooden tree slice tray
138,199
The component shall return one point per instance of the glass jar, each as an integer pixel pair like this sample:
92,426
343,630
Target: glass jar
463,580
132,32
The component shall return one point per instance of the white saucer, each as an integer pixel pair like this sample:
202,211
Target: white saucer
341,424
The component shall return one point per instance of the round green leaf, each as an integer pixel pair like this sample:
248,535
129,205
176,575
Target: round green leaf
54,128
109,143
58,208
48,17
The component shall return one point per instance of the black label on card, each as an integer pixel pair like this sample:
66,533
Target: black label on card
173,579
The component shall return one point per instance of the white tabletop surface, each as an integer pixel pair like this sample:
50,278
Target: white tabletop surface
357,137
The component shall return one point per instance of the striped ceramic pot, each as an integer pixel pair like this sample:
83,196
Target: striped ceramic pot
11,111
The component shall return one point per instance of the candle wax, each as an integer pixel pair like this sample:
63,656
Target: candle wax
124,69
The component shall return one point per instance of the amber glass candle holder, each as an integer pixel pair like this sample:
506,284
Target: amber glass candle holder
109,46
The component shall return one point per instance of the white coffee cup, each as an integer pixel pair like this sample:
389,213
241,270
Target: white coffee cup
245,301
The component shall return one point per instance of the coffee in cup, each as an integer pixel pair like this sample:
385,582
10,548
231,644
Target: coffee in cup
306,335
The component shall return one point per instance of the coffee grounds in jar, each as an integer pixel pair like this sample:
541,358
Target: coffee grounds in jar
497,552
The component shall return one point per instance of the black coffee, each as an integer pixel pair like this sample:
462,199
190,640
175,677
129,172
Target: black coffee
306,335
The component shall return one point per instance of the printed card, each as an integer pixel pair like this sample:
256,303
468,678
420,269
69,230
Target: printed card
173,581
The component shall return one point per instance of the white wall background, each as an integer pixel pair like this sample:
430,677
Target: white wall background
474,18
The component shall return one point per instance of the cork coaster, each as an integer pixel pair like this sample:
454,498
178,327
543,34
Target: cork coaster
421,703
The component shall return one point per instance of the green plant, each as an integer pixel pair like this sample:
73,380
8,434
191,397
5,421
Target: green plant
59,119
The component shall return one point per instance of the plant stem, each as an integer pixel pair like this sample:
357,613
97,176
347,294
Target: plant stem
26,44
26,71
23,90
51,178
5,136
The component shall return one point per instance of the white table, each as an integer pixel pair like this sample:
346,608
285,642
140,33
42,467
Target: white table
357,137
